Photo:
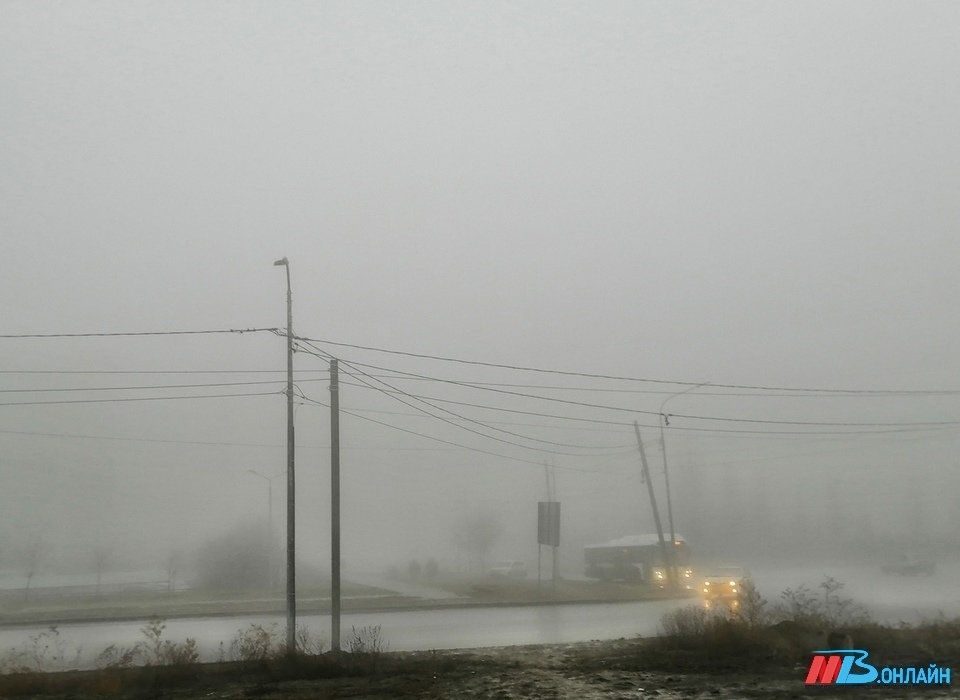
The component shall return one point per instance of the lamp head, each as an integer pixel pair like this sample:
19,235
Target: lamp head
282,261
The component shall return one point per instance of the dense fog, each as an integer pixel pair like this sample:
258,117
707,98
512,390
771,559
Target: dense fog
520,228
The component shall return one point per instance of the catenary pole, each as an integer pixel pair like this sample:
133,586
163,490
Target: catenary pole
664,420
664,551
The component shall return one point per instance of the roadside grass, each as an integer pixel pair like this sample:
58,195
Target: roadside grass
256,655
141,605
760,635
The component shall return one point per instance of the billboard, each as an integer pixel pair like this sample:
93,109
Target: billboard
548,523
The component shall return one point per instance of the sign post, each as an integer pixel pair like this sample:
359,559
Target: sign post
548,533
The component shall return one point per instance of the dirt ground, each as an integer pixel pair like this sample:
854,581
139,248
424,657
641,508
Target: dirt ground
590,671
627,668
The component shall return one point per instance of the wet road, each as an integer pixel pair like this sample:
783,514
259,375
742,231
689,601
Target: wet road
888,598
401,631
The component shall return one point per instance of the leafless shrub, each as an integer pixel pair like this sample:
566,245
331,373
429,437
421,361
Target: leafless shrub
154,651
691,621
803,606
177,653
256,642
366,640
753,606
308,642
122,657
45,651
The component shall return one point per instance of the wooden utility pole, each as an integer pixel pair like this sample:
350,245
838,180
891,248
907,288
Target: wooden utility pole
334,505
667,554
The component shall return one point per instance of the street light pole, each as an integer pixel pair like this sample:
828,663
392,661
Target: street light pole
291,514
269,480
663,444
334,505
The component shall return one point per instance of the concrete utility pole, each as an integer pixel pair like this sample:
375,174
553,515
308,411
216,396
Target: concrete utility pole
335,505
291,482
667,554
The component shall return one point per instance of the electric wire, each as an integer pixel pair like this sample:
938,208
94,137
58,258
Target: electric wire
446,442
470,420
590,375
237,331
139,398
633,411
148,386
156,371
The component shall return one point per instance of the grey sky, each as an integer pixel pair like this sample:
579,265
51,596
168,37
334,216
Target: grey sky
741,193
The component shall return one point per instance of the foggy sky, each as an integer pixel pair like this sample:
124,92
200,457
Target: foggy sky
751,194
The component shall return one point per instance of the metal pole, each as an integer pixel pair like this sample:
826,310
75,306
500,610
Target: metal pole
663,443
666,477
667,554
335,505
291,482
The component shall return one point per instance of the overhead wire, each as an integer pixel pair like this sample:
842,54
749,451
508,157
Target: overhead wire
145,387
138,398
155,371
845,426
138,333
456,415
618,377
446,442
632,411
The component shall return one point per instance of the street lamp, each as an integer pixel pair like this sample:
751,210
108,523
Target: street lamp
291,515
663,443
269,480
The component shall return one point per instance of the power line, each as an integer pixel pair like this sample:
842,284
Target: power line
205,443
143,387
156,371
590,375
669,392
475,422
138,398
723,432
519,412
464,418
447,442
141,333
633,411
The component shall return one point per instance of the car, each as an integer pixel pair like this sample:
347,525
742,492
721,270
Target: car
723,582
509,569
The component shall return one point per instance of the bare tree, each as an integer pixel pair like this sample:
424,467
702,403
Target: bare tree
31,556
